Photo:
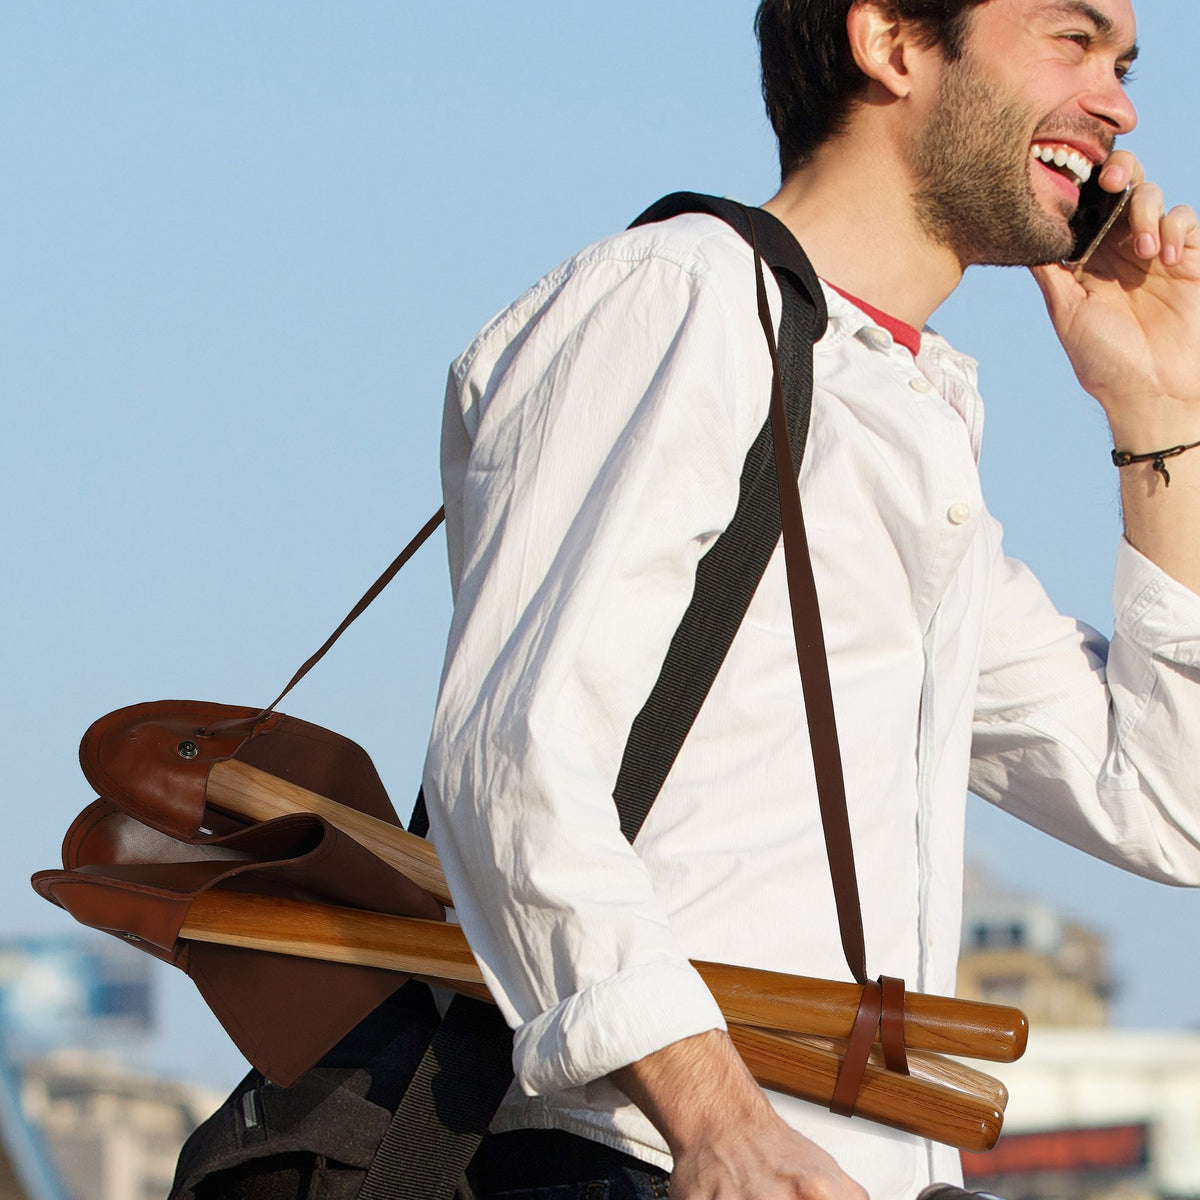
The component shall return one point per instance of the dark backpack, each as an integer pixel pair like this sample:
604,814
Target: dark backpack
318,1137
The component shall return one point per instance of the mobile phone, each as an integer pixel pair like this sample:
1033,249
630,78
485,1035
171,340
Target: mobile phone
1097,213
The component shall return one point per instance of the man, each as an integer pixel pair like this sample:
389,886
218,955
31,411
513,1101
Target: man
593,439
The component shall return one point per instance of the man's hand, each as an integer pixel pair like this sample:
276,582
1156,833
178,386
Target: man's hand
1130,324
726,1139
1130,320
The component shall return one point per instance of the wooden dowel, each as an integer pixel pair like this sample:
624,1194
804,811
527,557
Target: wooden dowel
922,1064
767,999
475,990
940,1023
938,1099
805,1067
244,791
914,1105
323,931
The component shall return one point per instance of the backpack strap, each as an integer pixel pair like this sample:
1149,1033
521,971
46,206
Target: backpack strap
729,574
446,1108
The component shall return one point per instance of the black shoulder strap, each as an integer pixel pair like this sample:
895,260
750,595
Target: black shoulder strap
728,575
446,1109
780,250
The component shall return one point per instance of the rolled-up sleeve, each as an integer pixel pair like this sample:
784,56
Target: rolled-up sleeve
1096,742
591,454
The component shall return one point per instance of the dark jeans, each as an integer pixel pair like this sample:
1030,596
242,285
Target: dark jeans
544,1164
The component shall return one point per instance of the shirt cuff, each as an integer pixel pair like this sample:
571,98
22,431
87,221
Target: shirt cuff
1154,611
611,1024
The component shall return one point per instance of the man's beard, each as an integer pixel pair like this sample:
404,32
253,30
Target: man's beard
973,189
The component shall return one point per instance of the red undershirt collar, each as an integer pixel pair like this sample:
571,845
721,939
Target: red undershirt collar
907,335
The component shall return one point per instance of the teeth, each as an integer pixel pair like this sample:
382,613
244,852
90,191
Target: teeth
1063,156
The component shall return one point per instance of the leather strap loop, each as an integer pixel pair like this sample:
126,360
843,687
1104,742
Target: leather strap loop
858,1050
891,1024
880,1009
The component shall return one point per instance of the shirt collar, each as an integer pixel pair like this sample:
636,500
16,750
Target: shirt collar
953,374
847,320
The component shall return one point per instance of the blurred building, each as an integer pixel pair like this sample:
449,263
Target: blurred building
82,1121
82,989
1094,1113
1019,950
27,1171
114,1133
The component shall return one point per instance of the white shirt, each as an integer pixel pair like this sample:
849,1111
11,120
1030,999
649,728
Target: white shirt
593,440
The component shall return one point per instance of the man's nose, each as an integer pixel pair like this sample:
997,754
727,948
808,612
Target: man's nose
1111,104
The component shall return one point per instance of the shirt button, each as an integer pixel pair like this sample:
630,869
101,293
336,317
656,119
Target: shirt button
920,385
959,514
877,339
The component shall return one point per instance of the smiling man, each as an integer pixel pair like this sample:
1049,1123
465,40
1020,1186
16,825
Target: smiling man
594,437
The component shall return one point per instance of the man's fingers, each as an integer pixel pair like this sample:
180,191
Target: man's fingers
1146,207
1120,170
1178,229
1154,232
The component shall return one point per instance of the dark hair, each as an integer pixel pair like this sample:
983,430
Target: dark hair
809,76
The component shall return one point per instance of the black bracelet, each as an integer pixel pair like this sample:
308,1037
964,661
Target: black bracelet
1122,458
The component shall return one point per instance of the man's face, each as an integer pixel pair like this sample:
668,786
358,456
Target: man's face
1039,80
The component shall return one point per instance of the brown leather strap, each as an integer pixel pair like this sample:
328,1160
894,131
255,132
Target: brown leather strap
881,1010
891,1024
810,654
858,1050
357,611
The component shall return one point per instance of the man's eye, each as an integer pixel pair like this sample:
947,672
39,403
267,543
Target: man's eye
1080,39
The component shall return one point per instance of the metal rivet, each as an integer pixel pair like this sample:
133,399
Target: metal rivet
188,749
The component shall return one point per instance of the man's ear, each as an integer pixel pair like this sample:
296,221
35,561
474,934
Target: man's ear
883,45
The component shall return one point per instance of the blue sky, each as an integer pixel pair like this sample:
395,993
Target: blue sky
240,245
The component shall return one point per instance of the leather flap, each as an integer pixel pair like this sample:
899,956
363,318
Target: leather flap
136,857
153,760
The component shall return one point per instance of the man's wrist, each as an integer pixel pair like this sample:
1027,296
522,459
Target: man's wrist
694,1089
1140,427
1160,497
